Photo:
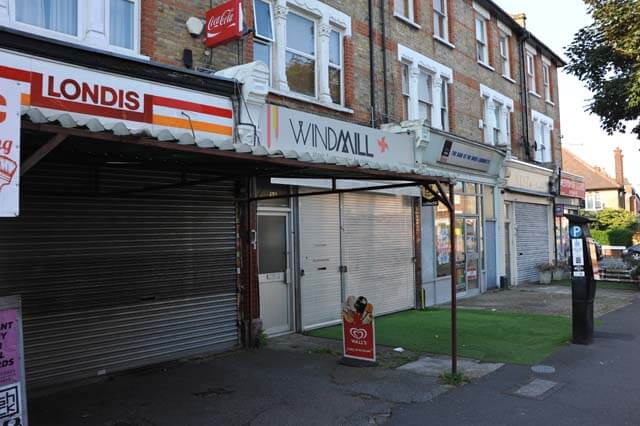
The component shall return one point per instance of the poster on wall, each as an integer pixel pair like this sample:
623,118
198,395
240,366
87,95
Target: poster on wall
358,331
13,396
9,148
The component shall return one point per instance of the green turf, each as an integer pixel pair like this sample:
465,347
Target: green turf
483,335
608,285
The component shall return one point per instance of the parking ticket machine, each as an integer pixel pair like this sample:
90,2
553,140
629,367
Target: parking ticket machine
584,270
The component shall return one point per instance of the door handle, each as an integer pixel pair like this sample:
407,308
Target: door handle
302,272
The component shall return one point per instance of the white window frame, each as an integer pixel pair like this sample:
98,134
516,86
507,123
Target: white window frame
445,19
322,15
313,57
440,74
542,135
429,77
339,67
410,14
505,56
593,201
505,106
546,80
255,22
405,71
530,62
483,16
92,27
444,104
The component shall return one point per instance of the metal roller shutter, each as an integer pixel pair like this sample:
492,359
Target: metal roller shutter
320,286
378,250
532,239
119,281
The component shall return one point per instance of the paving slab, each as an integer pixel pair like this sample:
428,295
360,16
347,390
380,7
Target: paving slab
434,366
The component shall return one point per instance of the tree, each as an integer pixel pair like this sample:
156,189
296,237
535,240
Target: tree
606,57
609,219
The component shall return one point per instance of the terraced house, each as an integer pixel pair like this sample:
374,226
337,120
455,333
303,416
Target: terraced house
196,172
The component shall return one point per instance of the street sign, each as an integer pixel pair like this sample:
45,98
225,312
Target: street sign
358,331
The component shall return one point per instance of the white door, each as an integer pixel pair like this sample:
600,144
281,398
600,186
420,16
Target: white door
274,272
378,250
320,281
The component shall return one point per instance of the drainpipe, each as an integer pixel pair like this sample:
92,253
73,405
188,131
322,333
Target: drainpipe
372,75
383,27
524,90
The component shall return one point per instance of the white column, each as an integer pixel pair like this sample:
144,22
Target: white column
5,19
414,107
95,31
324,35
280,55
490,120
436,117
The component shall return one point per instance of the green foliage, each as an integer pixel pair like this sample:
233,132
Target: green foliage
614,218
606,57
613,237
600,236
457,379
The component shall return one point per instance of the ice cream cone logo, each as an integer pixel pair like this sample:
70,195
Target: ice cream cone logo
3,114
8,168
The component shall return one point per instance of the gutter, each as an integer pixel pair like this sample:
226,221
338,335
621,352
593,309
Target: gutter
372,79
384,63
524,91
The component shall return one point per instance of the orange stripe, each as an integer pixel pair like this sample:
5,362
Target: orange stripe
25,99
197,125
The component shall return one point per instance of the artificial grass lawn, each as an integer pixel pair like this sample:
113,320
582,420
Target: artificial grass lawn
482,335
608,285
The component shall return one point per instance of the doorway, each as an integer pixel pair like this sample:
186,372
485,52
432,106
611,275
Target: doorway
467,255
274,272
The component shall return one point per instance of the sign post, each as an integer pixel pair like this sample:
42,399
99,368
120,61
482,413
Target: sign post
9,148
13,393
358,332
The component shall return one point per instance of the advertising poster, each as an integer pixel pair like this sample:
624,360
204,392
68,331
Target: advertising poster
9,148
13,401
358,331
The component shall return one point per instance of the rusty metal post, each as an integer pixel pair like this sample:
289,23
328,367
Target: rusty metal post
452,237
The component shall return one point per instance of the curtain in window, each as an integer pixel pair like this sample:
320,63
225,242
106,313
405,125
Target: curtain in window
121,25
55,15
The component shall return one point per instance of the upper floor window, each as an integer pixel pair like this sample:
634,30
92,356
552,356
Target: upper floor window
593,201
404,8
301,54
440,24
542,132
424,88
505,59
111,25
530,58
497,110
304,51
546,81
482,47
55,15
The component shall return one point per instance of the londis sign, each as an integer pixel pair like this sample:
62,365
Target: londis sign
9,148
223,23
52,91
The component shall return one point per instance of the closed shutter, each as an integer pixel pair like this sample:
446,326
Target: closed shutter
320,285
378,250
119,281
532,239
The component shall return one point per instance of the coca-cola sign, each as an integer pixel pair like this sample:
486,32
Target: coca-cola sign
224,23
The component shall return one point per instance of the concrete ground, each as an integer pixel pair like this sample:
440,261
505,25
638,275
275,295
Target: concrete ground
548,300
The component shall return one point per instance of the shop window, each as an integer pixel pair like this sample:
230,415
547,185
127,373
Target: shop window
443,241
56,15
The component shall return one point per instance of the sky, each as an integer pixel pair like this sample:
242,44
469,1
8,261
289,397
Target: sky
581,132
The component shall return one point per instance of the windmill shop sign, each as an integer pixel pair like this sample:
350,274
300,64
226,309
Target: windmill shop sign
289,131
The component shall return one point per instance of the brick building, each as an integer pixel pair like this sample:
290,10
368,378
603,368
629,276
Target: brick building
278,133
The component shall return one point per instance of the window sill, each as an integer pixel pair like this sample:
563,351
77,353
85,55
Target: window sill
550,102
535,94
509,79
487,66
309,99
443,41
407,21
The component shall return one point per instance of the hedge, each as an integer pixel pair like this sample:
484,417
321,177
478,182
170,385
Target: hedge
613,237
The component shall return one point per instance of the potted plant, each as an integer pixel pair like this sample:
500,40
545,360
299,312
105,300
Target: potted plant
559,270
545,270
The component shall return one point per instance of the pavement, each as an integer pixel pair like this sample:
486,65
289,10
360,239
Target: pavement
548,300
298,380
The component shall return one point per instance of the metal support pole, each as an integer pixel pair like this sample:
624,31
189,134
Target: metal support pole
452,237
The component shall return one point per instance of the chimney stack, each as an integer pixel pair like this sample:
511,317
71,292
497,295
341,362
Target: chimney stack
521,19
617,153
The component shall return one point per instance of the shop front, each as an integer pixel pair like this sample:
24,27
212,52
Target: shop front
570,201
476,169
528,220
